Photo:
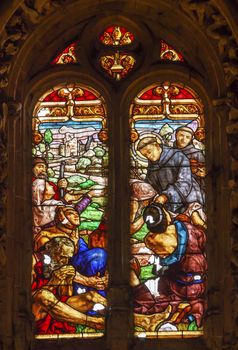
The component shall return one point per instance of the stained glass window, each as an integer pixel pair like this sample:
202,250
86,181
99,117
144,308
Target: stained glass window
69,184
117,36
167,52
117,65
68,55
69,195
168,218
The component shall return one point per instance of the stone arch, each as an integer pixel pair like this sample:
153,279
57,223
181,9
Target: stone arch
201,58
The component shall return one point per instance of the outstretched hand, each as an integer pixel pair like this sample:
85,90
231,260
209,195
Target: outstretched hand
62,183
97,282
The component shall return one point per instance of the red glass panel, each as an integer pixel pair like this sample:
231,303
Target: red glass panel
150,95
176,92
167,52
67,56
60,95
54,97
117,36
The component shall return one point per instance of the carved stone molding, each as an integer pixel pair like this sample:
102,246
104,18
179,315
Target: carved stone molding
217,28
3,180
13,109
8,110
232,133
40,8
23,21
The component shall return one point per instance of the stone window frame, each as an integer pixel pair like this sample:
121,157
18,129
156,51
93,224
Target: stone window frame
120,312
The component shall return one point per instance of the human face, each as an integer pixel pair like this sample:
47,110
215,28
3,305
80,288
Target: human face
73,217
40,170
151,152
63,254
183,138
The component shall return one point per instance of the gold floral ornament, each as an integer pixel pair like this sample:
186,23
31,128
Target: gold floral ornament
36,135
134,135
68,56
103,135
166,91
167,52
167,100
117,65
116,36
69,102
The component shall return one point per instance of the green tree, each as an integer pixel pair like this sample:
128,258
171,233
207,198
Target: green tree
48,138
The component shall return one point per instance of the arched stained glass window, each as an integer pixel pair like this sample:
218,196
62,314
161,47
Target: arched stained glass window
69,193
69,184
168,219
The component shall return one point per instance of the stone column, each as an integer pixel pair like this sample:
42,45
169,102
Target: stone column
231,338
119,323
13,298
218,247
3,196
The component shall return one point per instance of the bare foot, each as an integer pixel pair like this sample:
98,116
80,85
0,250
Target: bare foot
150,322
95,322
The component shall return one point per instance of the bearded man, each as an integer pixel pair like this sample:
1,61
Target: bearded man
46,196
55,308
90,264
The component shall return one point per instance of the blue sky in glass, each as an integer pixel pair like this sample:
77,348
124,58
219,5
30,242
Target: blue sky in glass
157,124
73,124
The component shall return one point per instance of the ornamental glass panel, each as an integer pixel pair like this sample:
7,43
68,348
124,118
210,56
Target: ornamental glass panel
68,55
167,52
116,36
168,218
69,184
117,64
